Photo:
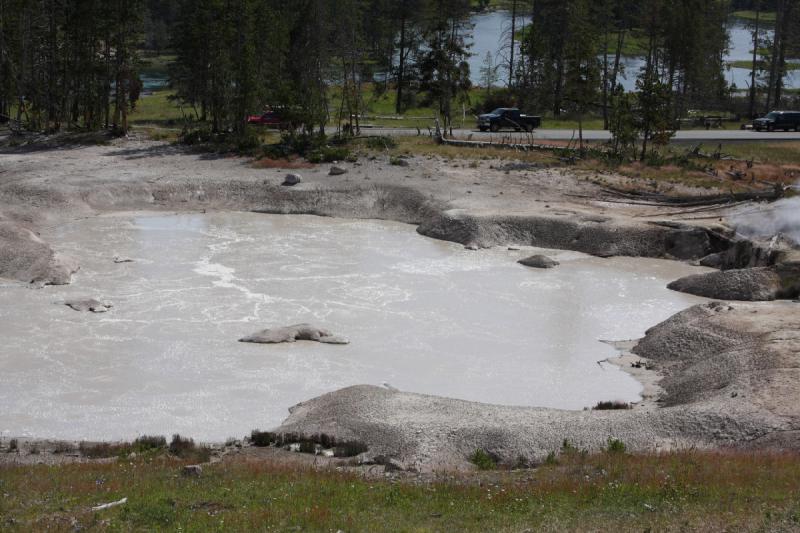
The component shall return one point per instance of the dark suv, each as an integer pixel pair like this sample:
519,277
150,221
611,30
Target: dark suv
508,117
778,120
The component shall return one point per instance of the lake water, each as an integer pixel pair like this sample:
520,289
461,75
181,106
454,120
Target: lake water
490,34
422,315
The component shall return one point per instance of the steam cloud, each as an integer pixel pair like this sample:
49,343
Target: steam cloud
781,217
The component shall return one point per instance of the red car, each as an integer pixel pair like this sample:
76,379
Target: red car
269,119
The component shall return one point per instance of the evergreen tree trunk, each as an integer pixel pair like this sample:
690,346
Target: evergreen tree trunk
755,62
783,23
776,45
512,44
401,65
605,77
617,57
648,73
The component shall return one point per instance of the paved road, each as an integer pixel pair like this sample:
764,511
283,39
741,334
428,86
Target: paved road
708,136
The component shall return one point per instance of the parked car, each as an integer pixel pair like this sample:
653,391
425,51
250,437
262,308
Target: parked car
269,119
508,117
778,120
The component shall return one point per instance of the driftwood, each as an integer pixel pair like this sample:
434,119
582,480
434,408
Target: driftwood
713,207
110,505
659,199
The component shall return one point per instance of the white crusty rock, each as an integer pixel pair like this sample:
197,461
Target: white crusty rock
298,332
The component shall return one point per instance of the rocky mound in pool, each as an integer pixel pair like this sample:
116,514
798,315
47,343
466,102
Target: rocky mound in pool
298,332
730,377
25,257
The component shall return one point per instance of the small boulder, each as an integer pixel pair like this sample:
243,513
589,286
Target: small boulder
297,332
192,471
291,180
88,305
337,171
748,284
538,261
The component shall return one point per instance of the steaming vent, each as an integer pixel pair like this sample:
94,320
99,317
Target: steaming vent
779,221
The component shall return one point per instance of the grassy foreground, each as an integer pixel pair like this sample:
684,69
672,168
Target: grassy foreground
673,492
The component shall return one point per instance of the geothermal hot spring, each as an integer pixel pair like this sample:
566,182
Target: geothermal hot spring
422,315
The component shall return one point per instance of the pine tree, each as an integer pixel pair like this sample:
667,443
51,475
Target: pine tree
444,71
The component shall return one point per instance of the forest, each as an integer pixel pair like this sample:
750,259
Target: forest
74,64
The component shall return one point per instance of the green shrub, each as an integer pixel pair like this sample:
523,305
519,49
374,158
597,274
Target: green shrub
181,446
262,438
521,463
315,148
498,98
104,450
63,447
608,406
380,142
349,449
654,158
149,442
616,446
567,447
328,154
551,459
308,446
247,142
185,448
483,460
196,137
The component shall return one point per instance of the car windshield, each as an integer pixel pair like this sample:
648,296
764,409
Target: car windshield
772,116
498,111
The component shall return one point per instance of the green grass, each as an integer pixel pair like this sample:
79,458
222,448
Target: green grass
760,64
493,4
425,146
766,16
635,44
158,109
776,153
611,491
155,66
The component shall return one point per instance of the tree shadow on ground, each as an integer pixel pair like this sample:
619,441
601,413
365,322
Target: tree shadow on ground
168,149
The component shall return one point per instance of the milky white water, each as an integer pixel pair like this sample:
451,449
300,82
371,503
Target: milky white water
423,315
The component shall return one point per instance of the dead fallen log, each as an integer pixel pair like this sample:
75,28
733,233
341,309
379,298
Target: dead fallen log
105,506
653,198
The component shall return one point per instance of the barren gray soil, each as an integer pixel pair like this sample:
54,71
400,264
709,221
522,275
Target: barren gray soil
729,370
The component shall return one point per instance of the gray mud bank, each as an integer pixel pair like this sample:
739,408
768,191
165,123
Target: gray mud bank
730,371
25,258
730,375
